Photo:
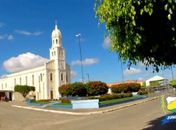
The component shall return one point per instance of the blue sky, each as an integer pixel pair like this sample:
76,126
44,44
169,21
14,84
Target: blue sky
25,32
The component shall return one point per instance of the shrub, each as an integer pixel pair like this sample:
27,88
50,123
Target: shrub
173,83
142,92
75,89
96,88
65,90
65,100
43,101
78,89
24,89
125,87
112,96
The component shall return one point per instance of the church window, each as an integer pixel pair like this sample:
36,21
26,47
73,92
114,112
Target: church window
66,78
39,82
51,77
41,78
20,80
26,80
32,79
14,81
56,41
62,79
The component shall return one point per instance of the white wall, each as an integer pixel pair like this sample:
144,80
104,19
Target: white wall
32,77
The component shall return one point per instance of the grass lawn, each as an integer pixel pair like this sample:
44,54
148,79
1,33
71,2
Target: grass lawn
101,102
117,100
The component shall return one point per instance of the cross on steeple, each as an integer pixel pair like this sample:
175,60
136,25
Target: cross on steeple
55,24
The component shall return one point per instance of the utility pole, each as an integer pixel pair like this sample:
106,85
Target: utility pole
80,51
88,77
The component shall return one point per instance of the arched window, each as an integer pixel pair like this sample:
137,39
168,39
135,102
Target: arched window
62,78
26,80
56,41
41,77
32,79
51,77
66,78
20,80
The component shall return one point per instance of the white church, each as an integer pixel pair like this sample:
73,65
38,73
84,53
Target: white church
46,78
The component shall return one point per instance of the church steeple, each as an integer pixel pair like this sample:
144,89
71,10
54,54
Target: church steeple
56,24
56,37
56,50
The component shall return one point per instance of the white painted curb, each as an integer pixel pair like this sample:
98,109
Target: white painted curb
85,113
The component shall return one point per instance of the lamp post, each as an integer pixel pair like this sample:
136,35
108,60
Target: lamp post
80,51
88,77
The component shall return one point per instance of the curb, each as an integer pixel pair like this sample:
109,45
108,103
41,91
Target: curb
85,113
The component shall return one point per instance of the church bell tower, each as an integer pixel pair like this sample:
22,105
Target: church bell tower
57,54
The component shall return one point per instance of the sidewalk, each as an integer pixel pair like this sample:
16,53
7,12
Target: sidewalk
23,105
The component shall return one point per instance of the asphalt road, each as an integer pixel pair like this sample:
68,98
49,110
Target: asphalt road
146,116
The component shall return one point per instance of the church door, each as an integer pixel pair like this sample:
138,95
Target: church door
51,93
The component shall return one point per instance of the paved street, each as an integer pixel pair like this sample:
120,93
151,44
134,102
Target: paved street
146,116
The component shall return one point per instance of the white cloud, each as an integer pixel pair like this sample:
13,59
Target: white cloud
6,37
87,61
107,42
23,61
73,74
10,37
27,33
131,71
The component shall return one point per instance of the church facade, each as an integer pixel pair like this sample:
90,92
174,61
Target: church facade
46,78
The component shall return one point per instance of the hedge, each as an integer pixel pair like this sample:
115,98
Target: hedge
101,98
112,96
80,89
96,88
24,89
65,90
142,92
125,87
75,89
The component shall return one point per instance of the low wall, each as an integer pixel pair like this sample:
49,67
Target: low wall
17,97
83,104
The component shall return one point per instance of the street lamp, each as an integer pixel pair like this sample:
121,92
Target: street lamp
79,37
88,77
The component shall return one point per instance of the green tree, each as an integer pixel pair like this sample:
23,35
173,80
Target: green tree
24,89
141,30
173,83
95,88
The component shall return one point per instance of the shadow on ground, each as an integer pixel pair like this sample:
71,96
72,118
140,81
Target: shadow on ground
156,125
